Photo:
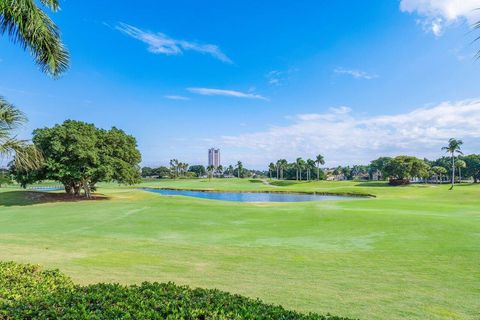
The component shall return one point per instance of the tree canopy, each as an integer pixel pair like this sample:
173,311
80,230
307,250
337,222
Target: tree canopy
402,168
79,155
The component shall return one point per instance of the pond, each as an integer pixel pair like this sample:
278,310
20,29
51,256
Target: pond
248,196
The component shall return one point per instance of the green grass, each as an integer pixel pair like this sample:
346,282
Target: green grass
410,253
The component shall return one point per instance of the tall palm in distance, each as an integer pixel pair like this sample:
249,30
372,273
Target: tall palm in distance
283,166
271,167
210,170
28,25
310,165
320,161
239,168
453,147
219,170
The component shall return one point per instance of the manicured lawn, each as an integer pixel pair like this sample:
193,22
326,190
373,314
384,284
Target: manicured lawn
410,253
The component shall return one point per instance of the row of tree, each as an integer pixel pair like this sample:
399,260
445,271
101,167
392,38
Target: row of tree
179,169
299,170
398,170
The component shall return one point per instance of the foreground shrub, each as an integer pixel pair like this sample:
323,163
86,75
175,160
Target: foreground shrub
26,292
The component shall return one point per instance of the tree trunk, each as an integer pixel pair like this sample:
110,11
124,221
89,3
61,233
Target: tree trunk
318,172
68,188
86,188
76,189
453,170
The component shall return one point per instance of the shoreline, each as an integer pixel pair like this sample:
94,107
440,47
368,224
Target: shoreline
347,194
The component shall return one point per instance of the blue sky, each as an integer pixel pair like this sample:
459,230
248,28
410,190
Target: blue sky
262,80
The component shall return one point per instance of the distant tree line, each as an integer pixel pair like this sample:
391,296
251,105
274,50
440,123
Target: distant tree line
398,170
300,169
178,169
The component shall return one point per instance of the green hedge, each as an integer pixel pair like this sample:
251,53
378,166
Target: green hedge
27,292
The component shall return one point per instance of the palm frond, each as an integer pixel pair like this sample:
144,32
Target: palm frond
28,25
10,116
53,5
25,156
476,26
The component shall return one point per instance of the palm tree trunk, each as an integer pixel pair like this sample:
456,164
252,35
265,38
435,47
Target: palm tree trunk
318,172
453,170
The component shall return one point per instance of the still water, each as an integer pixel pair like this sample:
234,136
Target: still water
249,196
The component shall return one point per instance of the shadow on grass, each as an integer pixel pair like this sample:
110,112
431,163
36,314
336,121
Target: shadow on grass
283,183
255,181
27,198
373,184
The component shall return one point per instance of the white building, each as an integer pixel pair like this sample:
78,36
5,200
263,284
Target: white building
214,157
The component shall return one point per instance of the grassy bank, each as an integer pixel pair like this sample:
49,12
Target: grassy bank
411,252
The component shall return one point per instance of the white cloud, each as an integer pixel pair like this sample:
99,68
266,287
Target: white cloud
437,14
227,93
347,139
175,97
357,74
160,43
277,77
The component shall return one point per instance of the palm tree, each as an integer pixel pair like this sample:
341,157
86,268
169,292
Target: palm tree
25,23
230,170
174,164
25,156
310,165
210,170
239,168
454,146
219,170
438,171
283,163
460,164
320,161
271,167
299,164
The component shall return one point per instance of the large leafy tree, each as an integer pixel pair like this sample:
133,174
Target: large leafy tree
198,170
473,166
402,168
378,165
79,155
454,147
27,24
